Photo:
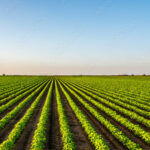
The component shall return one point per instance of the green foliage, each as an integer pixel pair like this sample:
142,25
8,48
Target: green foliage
12,113
93,136
68,143
17,91
39,138
16,99
113,129
17,130
136,129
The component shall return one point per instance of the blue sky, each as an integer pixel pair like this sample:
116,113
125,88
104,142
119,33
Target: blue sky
74,37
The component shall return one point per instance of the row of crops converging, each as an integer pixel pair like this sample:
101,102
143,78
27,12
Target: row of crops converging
74,113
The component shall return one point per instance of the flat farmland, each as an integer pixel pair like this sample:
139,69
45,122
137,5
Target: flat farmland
74,112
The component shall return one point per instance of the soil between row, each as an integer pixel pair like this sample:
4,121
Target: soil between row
53,135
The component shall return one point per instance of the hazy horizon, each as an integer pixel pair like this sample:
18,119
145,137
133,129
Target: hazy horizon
102,37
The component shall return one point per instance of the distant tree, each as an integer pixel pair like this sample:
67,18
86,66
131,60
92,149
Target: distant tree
3,74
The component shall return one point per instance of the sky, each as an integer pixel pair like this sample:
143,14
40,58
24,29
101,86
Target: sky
74,37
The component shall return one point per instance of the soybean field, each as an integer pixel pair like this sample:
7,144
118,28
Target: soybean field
74,112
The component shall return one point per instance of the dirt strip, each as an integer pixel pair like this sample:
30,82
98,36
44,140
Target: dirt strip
115,96
53,134
24,141
23,88
79,136
111,141
15,104
125,116
7,129
133,137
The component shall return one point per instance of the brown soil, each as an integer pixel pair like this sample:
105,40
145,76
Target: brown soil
8,99
110,140
127,132
15,104
79,136
53,134
125,116
24,141
114,97
7,129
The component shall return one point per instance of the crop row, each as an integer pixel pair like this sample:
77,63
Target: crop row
18,85
19,93
12,113
113,89
124,111
136,102
39,137
16,99
16,92
118,134
67,140
93,136
136,129
8,144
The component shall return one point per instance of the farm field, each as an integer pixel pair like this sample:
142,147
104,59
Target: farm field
74,112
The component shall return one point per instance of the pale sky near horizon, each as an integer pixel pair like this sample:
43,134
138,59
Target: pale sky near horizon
75,37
